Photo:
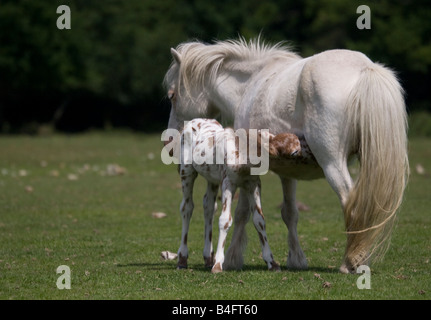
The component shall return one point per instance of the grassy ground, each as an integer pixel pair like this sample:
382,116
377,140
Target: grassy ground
86,201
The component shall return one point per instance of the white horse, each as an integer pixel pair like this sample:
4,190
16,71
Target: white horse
339,100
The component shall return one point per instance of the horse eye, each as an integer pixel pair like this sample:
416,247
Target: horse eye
171,94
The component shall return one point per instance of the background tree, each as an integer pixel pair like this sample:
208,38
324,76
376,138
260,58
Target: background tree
107,70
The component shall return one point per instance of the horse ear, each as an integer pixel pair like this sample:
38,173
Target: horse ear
176,55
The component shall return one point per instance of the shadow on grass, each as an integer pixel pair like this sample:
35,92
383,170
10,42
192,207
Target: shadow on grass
164,265
167,265
284,269
151,266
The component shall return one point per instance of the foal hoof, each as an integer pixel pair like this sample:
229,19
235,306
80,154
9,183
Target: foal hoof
181,267
217,268
209,261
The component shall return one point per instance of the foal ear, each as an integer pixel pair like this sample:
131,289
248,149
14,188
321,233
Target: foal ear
266,144
274,145
176,55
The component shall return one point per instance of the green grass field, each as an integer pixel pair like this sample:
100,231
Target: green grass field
86,201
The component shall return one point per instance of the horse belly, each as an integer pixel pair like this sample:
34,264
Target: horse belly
300,169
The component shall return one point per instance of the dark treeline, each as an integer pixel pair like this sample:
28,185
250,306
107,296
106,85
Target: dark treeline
107,70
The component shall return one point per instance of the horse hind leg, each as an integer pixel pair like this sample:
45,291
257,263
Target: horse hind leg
335,168
341,182
296,258
234,258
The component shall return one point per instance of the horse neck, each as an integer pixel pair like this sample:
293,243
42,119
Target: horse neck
227,91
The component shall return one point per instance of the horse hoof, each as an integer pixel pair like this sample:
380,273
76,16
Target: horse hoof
181,267
344,269
297,262
347,269
275,267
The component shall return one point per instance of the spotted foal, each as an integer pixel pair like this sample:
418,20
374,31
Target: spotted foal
206,135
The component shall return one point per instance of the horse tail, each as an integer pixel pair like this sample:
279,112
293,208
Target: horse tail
377,123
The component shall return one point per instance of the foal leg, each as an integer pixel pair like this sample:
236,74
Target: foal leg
188,176
296,258
225,222
210,206
259,224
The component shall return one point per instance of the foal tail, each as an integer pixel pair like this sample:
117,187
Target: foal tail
378,124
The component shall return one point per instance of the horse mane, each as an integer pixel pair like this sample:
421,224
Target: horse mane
201,63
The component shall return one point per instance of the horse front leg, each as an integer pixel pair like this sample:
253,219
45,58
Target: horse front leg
225,222
186,210
210,206
296,258
234,258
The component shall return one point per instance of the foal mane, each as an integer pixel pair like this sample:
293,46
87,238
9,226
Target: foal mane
201,63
